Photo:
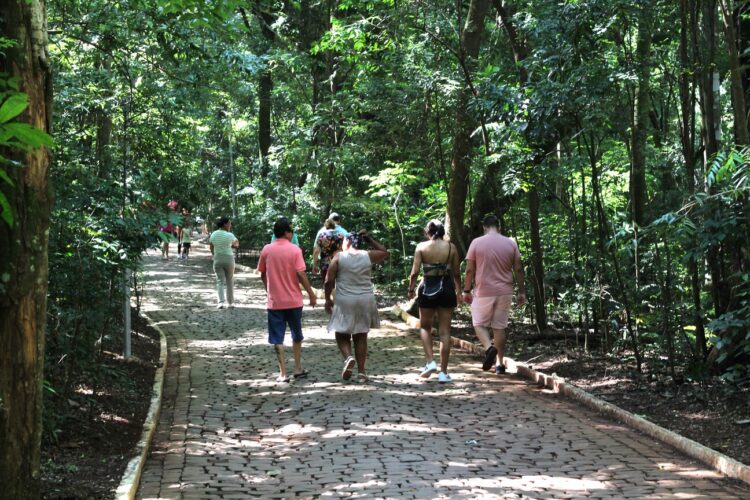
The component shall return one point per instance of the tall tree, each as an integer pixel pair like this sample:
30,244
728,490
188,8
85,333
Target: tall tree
23,266
711,131
520,52
265,82
458,185
687,139
641,108
738,95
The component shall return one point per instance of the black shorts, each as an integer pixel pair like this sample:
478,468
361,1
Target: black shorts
186,245
445,299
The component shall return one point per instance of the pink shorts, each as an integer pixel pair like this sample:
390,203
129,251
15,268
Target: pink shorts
491,311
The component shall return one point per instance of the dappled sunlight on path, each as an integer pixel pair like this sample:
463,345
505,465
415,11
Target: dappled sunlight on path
229,430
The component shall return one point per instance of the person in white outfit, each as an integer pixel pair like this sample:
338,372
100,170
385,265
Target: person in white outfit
355,311
222,242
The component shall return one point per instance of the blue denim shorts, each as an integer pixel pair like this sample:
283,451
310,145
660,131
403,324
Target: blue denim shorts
277,321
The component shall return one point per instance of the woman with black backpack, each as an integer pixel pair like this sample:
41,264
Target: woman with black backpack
438,292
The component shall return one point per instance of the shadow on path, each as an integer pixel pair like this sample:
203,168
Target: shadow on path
228,430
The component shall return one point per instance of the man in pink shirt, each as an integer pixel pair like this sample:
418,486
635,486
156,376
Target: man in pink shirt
492,259
282,270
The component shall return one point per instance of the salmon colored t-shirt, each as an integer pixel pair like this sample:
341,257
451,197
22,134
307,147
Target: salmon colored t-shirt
281,260
494,255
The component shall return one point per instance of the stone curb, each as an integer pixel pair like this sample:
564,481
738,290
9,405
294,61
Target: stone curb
718,461
132,476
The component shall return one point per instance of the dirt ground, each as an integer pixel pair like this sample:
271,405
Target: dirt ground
94,447
98,438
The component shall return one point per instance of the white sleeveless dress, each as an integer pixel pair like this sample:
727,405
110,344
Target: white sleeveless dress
355,309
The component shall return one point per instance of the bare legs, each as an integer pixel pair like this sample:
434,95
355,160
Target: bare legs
344,341
282,362
444,331
483,334
296,352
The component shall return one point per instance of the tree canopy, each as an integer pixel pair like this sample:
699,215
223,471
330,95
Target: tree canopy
608,136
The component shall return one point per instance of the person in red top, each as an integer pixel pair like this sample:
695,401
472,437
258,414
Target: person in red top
491,262
282,270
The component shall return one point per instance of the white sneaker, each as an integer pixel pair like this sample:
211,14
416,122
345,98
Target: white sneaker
220,305
444,378
428,369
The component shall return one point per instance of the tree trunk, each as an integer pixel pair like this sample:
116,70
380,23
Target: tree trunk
537,262
265,87
520,51
23,266
458,186
711,129
709,82
742,16
687,137
738,94
103,118
641,108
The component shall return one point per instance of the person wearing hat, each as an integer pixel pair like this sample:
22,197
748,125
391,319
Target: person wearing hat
321,259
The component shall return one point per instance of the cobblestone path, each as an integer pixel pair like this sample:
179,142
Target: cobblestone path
228,430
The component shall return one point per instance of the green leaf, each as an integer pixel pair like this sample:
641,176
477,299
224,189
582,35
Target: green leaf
13,106
30,135
4,176
7,213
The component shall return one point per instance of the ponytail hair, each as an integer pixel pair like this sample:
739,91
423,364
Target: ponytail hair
435,229
222,222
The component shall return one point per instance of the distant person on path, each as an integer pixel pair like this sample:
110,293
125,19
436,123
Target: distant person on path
166,234
323,239
329,241
282,270
490,263
184,233
221,243
355,310
295,240
439,292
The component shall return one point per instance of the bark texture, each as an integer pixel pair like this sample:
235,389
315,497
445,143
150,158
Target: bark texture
641,108
23,266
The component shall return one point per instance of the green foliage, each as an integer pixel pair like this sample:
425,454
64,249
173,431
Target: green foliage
14,135
364,119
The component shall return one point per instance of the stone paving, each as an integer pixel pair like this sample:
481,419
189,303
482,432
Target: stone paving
229,430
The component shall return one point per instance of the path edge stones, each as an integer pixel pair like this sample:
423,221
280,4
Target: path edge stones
131,478
718,461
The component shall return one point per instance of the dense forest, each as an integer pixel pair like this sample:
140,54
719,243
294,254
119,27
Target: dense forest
609,136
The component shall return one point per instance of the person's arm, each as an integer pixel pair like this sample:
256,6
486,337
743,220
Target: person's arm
236,243
302,277
456,271
330,283
264,279
315,257
520,279
211,247
379,252
414,273
471,267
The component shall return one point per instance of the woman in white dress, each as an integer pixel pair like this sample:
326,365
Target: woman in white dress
355,310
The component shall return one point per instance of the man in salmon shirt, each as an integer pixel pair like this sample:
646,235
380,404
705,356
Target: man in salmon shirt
493,258
282,270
